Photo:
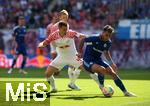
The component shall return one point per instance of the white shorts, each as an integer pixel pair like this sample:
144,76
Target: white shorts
60,61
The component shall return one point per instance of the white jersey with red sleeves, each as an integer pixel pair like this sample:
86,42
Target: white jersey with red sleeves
64,45
65,48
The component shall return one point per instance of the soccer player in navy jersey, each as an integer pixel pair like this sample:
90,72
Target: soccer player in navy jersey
92,61
19,33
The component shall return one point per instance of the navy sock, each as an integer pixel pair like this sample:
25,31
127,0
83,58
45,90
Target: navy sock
120,84
14,62
23,63
101,79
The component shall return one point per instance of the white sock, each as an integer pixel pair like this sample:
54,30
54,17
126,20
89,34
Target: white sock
76,74
70,72
10,70
73,74
52,82
95,78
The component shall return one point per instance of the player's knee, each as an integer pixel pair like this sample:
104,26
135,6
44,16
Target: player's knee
48,74
111,73
96,68
56,73
50,71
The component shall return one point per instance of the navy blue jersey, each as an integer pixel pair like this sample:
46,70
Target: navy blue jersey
19,34
94,48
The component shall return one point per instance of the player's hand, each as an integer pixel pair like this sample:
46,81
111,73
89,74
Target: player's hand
41,45
114,67
79,55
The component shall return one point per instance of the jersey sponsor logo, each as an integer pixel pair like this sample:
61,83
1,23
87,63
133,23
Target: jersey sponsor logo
63,47
89,43
105,45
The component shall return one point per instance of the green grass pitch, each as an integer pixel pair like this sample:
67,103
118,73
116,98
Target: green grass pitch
136,80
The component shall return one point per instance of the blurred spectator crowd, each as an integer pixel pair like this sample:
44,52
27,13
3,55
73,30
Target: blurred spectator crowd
131,53
83,14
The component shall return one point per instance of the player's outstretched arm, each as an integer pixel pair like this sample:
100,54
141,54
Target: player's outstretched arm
46,42
110,60
108,57
80,51
41,45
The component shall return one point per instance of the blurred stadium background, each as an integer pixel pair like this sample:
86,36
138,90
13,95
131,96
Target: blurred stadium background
131,19
130,49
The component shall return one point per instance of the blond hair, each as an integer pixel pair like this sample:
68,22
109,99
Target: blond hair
64,12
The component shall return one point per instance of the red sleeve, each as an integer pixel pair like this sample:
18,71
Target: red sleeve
73,34
48,29
51,37
48,40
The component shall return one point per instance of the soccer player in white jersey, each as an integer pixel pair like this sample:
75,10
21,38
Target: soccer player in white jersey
63,41
72,72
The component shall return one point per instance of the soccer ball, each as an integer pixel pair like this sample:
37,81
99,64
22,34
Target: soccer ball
110,91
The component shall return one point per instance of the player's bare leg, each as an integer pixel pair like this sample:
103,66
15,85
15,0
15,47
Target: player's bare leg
109,71
50,78
73,75
12,66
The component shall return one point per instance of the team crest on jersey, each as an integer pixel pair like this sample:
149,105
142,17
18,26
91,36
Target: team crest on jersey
105,45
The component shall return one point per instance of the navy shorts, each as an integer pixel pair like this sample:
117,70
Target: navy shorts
88,64
21,50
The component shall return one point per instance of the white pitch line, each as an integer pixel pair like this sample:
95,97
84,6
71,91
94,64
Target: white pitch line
132,103
22,79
